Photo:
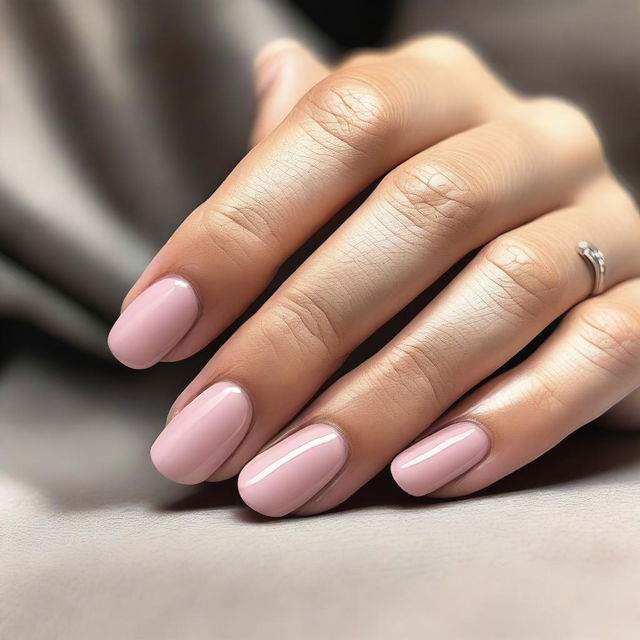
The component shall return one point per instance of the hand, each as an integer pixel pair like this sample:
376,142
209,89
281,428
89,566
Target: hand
465,162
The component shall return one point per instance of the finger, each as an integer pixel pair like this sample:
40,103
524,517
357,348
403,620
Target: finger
347,131
513,289
284,72
424,217
590,363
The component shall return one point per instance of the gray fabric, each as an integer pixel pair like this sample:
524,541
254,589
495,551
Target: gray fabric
98,546
116,118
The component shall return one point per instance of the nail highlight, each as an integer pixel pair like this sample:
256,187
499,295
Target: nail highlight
154,323
203,435
288,474
440,458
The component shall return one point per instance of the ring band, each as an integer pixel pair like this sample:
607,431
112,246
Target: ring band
595,258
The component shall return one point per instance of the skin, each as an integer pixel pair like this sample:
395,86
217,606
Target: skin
464,163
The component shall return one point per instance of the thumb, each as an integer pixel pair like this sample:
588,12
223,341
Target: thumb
284,72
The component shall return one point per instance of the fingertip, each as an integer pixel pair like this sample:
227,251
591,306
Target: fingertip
198,439
284,71
269,61
440,458
273,47
154,323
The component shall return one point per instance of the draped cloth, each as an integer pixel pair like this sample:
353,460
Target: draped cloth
117,117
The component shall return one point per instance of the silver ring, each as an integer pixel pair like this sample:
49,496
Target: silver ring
595,258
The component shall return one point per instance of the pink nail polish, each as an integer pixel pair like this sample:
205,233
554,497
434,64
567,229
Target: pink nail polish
440,458
203,435
154,323
292,471
268,64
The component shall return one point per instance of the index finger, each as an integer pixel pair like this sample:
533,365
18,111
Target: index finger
343,134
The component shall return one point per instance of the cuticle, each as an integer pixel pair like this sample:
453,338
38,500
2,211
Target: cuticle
308,423
172,274
432,429
488,452
252,404
204,388
450,423
198,302
484,428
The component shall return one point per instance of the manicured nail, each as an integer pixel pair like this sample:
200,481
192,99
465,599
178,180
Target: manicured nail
440,458
268,64
203,435
154,323
292,471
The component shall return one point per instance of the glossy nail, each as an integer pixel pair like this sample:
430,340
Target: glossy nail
203,435
440,458
292,471
154,323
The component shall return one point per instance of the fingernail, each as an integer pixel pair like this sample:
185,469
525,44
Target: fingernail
440,458
203,435
291,472
154,323
268,64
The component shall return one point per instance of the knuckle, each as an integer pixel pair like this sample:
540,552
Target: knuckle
311,319
413,366
562,119
452,56
432,199
543,392
442,47
361,57
610,335
559,107
350,110
621,200
220,239
237,229
524,279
